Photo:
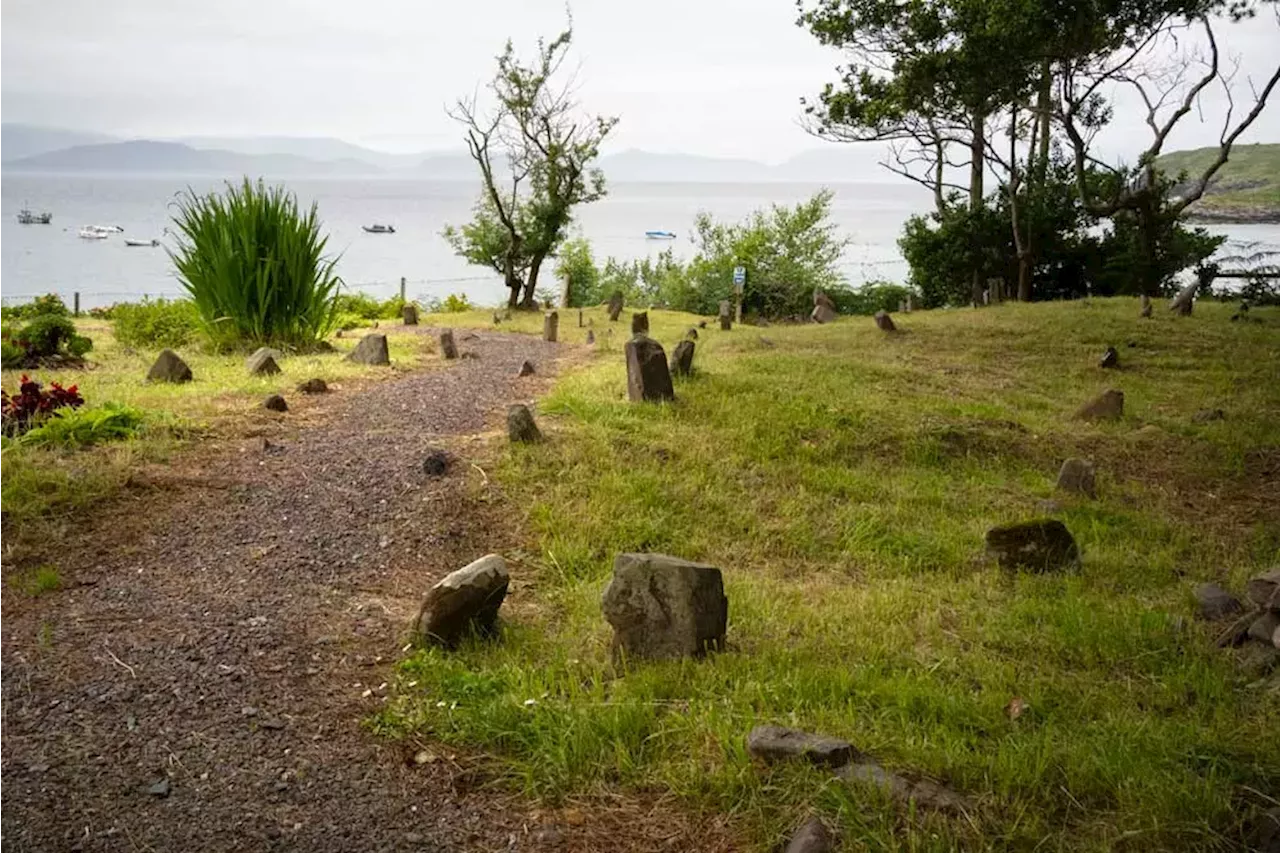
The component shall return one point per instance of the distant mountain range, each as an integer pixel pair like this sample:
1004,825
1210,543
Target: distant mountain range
29,148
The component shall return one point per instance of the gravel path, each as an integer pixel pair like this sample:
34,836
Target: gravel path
224,626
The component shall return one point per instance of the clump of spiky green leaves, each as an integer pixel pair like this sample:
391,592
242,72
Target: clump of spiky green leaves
255,266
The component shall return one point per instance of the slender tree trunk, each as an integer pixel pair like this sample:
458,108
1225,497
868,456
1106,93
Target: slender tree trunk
977,170
1044,117
530,300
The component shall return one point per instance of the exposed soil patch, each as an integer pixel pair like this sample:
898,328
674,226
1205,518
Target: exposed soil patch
225,625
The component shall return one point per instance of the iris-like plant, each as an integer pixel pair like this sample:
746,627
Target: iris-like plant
255,266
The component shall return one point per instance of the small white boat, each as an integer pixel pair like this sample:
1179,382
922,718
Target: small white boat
660,235
107,229
93,232
130,242
379,229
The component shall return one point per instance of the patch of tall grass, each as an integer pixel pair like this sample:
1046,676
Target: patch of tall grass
255,266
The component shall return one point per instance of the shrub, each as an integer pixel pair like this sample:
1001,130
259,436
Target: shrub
50,303
455,303
44,337
366,307
85,427
32,405
155,324
255,266
871,297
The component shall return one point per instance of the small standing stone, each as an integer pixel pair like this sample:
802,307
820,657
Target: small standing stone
1037,546
615,306
1077,475
726,315
692,334
1110,358
1264,590
410,313
526,369
1146,307
663,607
372,349
702,324
1185,300
812,837
771,744
682,358
437,463
640,323
550,326
1216,603
313,386
579,318
276,403
648,376
464,601
1107,406
169,367
448,347
591,337
824,310
884,322
265,361
521,428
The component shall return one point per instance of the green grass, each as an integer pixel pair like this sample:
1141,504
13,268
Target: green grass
40,482
39,580
843,479
1250,178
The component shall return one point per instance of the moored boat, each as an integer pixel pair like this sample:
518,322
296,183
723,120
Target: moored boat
95,232
379,229
28,217
131,242
660,235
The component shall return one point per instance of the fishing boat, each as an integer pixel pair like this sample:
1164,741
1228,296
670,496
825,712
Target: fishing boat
660,235
379,229
95,232
130,242
27,217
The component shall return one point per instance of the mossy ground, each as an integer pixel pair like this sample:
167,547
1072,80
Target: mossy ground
843,479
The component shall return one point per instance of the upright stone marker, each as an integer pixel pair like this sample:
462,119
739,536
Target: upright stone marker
448,347
640,323
1110,358
1077,475
663,607
372,349
615,306
884,322
410,315
1107,406
1146,307
1037,546
591,337
1185,300
824,310
464,601
169,367
648,376
550,326
265,361
726,315
682,358
521,428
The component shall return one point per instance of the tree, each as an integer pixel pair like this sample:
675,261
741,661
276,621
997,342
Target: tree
534,123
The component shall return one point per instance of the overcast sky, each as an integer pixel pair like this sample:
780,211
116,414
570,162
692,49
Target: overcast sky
695,76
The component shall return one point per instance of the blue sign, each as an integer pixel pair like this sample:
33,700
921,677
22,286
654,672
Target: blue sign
739,275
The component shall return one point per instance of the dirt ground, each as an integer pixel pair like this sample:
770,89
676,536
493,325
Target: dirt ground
226,623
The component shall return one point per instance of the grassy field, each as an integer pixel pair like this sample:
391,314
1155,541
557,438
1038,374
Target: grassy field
42,484
1250,180
843,480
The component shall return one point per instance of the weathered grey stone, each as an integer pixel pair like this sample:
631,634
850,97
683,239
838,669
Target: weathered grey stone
640,323
527,368
682,358
591,337
772,744
169,367
372,349
1264,627
1216,603
924,793
1037,546
314,386
265,361
520,424
448,346
1077,475
1110,358
871,773
702,324
664,607
1107,406
1185,300
726,315
812,837
410,314
464,601
1146,307
884,322
648,376
1205,416
824,310
692,334
275,403
437,462
551,326
615,306
1264,589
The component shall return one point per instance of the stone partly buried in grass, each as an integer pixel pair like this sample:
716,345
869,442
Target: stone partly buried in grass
1077,476
265,361
521,428
663,607
648,375
464,602
772,744
1107,406
1043,545
275,403
314,386
169,367
372,349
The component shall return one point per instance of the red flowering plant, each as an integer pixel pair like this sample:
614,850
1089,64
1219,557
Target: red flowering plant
32,404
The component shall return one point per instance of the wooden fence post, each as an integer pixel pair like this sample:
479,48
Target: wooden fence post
75,300
402,288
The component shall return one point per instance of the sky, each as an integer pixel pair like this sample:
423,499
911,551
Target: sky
711,77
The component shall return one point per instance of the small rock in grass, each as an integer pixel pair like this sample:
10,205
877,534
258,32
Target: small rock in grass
520,425
812,837
777,743
464,601
1110,358
313,386
1205,416
662,607
1077,476
682,358
410,313
702,324
469,355
169,367
437,463
372,349
871,773
1037,546
925,794
527,369
448,348
276,403
648,375
1216,603
640,323
692,334
548,836
265,361
159,789
1264,590
591,337
1264,628
1107,406
884,322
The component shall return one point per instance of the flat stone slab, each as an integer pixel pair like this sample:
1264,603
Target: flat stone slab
464,601
1216,603
169,367
924,793
662,607
1037,546
372,349
772,744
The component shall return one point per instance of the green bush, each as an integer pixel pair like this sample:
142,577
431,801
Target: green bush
44,336
50,303
84,427
454,303
155,324
255,266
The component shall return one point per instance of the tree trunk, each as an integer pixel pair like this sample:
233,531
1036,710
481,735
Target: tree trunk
530,300
1043,117
977,169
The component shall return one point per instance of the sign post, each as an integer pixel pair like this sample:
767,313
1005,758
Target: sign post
739,281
